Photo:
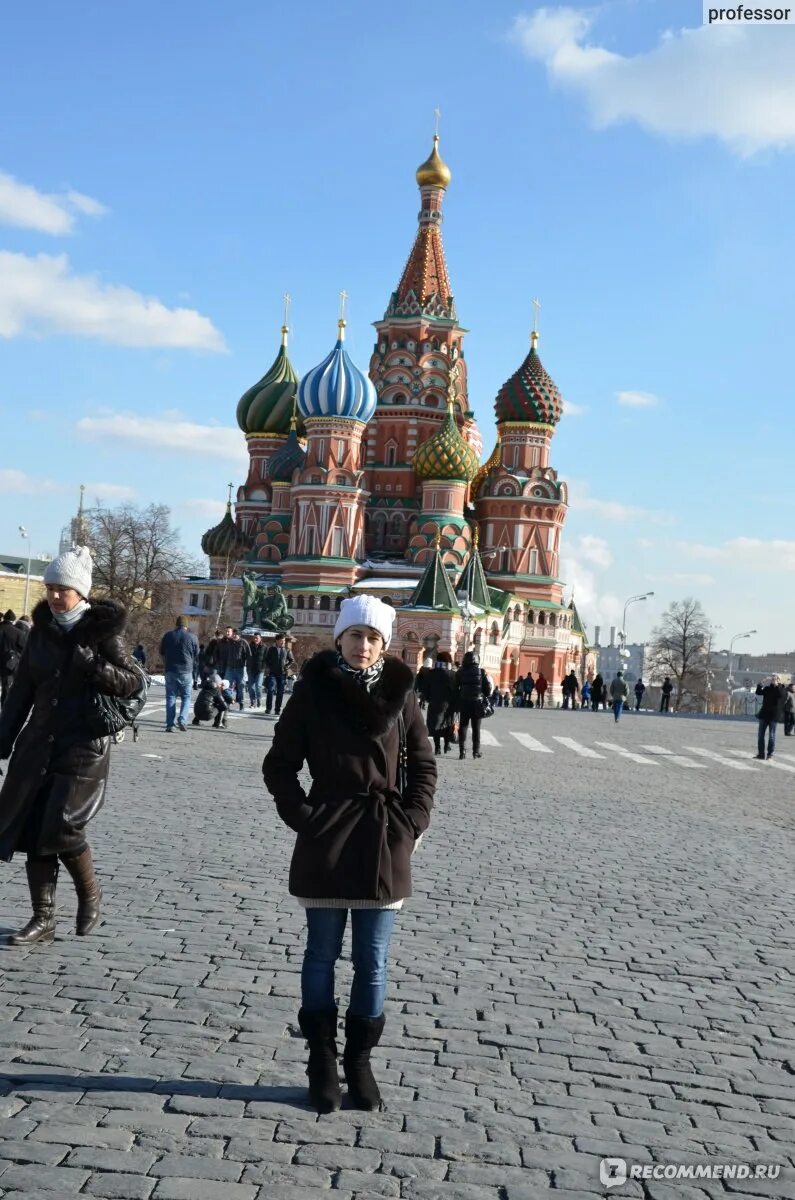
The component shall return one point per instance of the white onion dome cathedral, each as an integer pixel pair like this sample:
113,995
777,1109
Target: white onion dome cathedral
336,387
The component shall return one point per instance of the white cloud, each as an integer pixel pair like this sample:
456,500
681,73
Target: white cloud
637,399
115,492
211,509
591,549
571,409
26,208
19,483
757,554
42,296
733,83
170,431
580,500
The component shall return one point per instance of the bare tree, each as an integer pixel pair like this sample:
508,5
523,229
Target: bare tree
678,648
138,559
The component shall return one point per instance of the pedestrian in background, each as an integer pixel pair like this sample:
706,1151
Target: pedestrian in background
597,692
139,654
424,673
230,655
518,691
640,688
585,695
665,694
541,688
279,661
570,689
618,694
774,700
351,718
256,670
214,700
473,688
789,711
179,650
12,643
528,688
439,693
59,768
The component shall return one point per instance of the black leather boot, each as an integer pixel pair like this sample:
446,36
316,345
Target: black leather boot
362,1034
42,879
89,893
320,1031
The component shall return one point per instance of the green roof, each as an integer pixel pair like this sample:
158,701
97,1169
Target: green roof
472,580
576,624
434,589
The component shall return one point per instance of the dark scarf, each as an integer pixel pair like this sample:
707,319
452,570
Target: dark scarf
366,678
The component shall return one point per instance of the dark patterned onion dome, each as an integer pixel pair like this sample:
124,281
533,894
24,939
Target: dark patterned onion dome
530,394
446,454
224,539
286,460
267,407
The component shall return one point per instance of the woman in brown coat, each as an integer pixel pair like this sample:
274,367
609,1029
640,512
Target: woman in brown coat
58,771
348,718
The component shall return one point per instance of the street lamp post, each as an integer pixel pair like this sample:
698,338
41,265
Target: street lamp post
631,600
23,533
729,678
713,629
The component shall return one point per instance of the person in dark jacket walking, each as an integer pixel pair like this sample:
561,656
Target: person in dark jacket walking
665,694
256,670
438,690
230,658
541,688
59,770
598,692
774,700
12,643
278,661
789,711
179,650
139,654
640,689
473,687
570,689
347,717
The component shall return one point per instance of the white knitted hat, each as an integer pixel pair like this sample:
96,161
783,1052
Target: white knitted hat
71,569
369,611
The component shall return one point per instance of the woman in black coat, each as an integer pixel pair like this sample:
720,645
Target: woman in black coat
356,828
58,772
437,688
473,687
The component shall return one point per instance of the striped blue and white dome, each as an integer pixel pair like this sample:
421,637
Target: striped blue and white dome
337,388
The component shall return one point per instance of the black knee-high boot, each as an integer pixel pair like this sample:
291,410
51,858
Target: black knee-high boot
362,1034
320,1030
42,880
89,893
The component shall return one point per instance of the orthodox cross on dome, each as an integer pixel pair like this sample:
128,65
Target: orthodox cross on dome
534,334
287,298
451,382
437,113
229,497
341,323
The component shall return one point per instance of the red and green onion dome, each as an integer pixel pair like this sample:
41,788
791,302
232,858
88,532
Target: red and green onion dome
267,407
224,539
530,394
287,459
446,454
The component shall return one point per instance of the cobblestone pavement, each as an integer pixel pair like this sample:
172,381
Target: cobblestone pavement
598,962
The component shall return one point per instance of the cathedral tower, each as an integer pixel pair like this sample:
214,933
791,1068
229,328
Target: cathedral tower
418,342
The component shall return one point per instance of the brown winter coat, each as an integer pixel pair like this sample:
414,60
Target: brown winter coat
58,772
355,831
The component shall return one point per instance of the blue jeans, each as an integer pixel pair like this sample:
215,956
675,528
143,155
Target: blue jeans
178,686
766,724
617,707
274,683
255,688
371,930
235,677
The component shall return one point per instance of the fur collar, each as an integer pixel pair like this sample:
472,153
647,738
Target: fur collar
104,619
378,709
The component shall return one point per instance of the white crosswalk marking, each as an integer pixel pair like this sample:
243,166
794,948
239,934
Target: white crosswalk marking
771,762
720,758
531,744
624,753
583,751
790,758
487,738
678,759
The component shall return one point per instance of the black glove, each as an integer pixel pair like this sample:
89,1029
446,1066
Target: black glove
84,659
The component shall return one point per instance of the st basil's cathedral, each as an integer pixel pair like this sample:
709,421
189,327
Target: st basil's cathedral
372,482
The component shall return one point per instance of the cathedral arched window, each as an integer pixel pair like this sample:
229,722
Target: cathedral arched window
289,602
338,603
325,603
300,602
390,458
396,525
399,398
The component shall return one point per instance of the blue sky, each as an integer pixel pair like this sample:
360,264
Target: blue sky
172,169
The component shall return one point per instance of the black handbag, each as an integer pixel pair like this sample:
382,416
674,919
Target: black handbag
486,707
107,715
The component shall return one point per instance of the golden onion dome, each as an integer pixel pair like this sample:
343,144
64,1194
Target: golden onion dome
434,172
446,455
491,462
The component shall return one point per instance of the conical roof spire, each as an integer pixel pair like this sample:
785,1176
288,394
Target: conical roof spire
472,580
434,589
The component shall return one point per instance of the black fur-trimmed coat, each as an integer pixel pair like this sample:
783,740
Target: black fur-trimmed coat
355,831
57,775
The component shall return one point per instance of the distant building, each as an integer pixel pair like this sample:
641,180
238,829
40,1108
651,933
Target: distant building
611,658
14,583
